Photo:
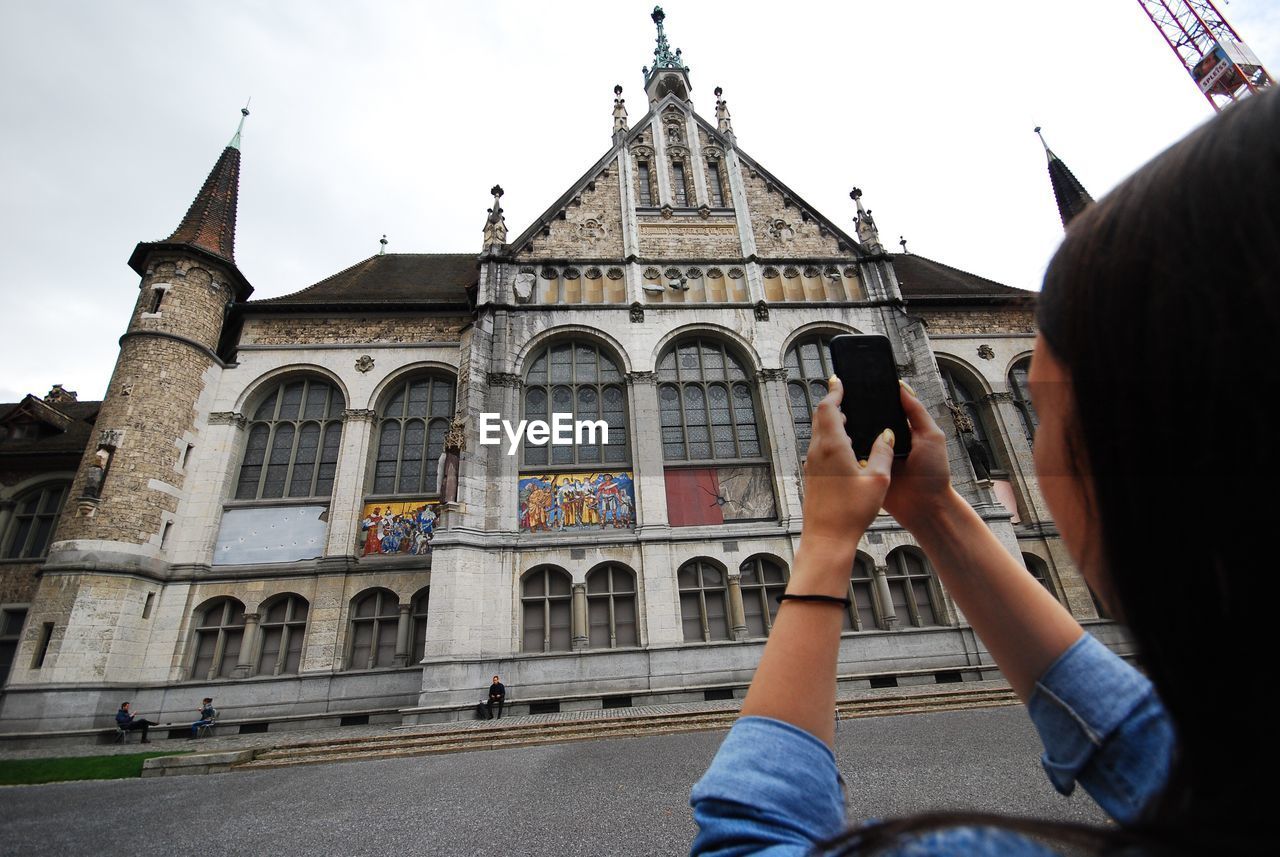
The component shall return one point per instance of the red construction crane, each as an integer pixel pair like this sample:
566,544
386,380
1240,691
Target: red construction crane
1209,48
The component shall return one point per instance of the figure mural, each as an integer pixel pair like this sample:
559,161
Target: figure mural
398,528
577,501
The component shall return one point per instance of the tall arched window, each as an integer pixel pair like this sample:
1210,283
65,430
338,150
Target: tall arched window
546,599
413,421
1022,397
284,625
861,615
704,602
219,632
419,630
762,581
716,465
911,589
611,607
969,402
1039,571
292,442
375,617
808,364
35,511
577,378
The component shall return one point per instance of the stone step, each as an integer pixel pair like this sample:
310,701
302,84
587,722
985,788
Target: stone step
404,745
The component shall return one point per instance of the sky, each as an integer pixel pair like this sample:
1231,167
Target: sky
397,117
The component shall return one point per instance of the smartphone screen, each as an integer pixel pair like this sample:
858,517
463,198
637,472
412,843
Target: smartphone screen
871,401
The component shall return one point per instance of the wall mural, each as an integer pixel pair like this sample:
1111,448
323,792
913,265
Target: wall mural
556,502
698,496
399,528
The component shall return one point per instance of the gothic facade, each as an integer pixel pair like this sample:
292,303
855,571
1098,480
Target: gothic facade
286,504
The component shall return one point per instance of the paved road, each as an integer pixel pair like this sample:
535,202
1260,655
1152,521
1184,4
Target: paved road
626,796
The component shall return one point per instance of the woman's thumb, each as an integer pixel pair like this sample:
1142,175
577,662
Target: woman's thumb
881,458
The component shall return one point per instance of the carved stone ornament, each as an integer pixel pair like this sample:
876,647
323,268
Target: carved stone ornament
810,271
614,273
704,212
110,438
998,398
572,274
986,352
831,271
772,375
714,274
762,311
672,273
642,377
770,272
523,286
667,212
549,273
851,272
360,415
637,313
964,425
592,229
736,273
694,273
126,390
781,230
455,439
652,273
503,379
364,363
790,272
594,273
227,418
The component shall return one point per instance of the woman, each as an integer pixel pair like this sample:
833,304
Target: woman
1151,378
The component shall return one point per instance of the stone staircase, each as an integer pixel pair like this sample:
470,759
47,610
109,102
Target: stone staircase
608,723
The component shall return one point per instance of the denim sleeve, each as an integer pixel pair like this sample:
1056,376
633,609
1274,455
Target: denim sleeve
1103,726
771,789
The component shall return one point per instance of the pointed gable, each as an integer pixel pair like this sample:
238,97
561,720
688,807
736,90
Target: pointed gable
585,222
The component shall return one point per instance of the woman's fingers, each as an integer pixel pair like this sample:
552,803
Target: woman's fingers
917,415
828,419
880,461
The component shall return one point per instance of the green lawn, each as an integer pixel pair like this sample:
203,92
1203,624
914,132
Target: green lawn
15,772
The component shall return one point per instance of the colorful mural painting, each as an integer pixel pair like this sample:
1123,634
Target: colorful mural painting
398,528
555,502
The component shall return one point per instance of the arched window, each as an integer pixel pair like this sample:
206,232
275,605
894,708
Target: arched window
611,607
419,629
762,581
577,378
292,442
284,625
547,601
808,364
707,408
413,421
35,512
219,632
704,602
1022,397
375,617
964,398
861,615
911,589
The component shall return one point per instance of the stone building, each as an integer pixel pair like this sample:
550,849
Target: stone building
285,503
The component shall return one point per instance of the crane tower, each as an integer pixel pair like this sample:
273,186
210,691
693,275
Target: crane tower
1209,48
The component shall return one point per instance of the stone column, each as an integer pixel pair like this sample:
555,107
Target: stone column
646,458
581,637
782,441
348,482
402,635
889,616
244,665
737,612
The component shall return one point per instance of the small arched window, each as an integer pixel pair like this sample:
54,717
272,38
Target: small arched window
35,512
911,588
704,602
611,607
219,632
546,600
291,448
418,632
808,364
1021,392
964,397
283,628
375,618
413,422
577,378
1039,571
762,581
861,615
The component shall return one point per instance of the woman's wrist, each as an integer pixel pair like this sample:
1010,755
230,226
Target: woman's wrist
823,565
924,520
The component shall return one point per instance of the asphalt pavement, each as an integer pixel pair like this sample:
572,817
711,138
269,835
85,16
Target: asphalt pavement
626,796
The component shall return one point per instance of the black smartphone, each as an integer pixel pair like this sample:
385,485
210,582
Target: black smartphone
871,403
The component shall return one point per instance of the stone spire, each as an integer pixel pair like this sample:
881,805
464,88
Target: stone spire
495,225
209,227
723,124
867,232
669,73
1071,196
619,113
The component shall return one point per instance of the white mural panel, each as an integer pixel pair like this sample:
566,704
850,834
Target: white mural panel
271,534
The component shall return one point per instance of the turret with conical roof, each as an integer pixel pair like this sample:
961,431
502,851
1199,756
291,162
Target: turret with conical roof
1071,196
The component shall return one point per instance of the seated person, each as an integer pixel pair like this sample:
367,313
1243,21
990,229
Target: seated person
126,721
207,715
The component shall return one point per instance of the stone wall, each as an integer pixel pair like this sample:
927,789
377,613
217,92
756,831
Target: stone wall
306,330
987,320
18,581
591,226
793,237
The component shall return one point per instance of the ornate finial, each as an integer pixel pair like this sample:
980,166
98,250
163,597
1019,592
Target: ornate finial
1048,152
723,123
867,232
244,114
903,241
663,56
383,242
495,225
619,111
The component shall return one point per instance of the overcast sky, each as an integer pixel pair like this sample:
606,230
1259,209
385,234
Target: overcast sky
397,117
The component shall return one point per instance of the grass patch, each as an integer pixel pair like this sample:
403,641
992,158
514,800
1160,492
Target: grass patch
16,772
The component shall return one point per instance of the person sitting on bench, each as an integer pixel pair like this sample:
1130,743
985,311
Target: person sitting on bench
207,715
497,696
126,722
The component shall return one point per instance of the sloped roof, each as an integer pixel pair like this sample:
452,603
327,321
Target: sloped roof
386,282
923,280
69,426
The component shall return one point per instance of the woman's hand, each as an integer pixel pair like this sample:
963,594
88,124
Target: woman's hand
842,496
921,481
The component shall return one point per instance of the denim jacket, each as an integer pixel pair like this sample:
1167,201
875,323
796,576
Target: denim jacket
774,789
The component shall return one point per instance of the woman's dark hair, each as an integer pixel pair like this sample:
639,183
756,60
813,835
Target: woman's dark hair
1163,305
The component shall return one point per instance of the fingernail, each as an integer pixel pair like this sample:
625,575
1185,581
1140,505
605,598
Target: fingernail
907,387
862,462
887,436
832,380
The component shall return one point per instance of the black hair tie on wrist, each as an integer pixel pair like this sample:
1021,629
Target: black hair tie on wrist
827,599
